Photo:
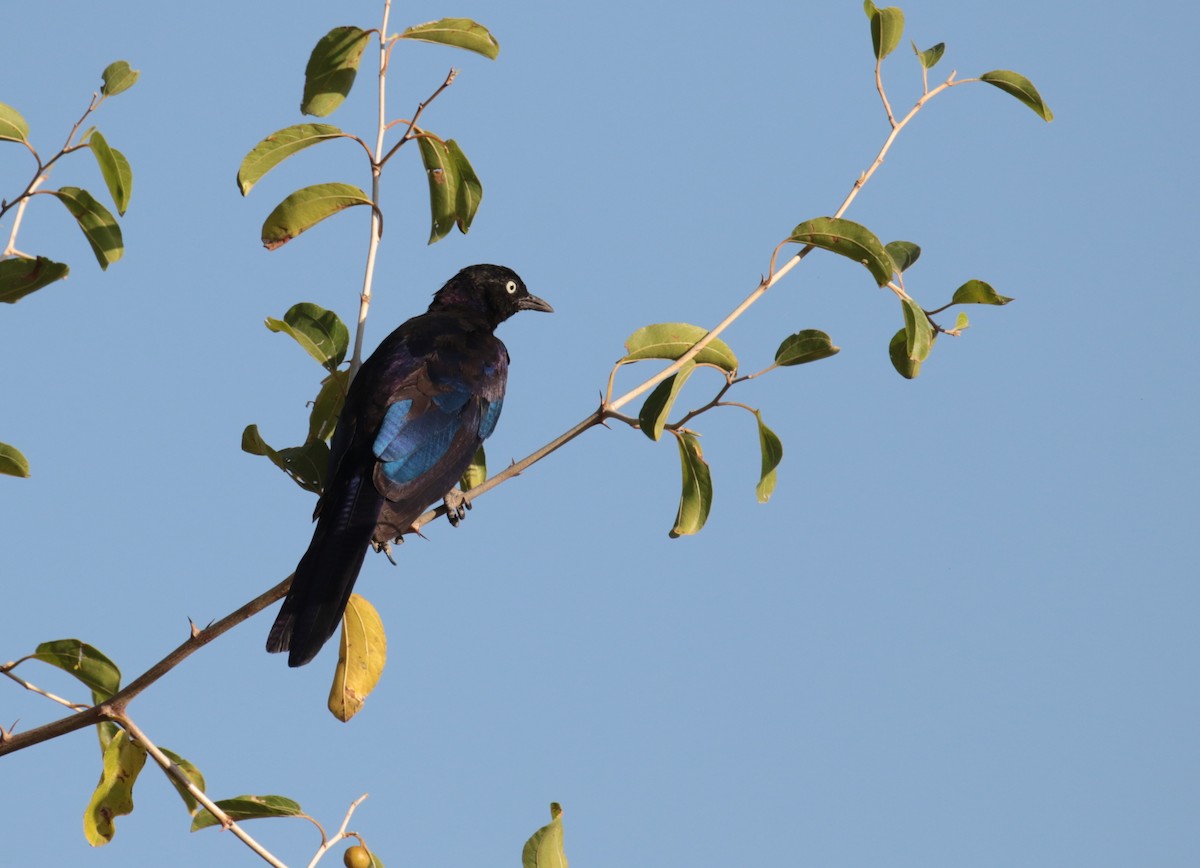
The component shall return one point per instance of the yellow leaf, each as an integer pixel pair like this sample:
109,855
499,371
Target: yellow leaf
361,656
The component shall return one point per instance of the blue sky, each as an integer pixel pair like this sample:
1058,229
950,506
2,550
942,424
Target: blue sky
961,633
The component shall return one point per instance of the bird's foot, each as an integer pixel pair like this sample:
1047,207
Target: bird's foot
386,548
457,505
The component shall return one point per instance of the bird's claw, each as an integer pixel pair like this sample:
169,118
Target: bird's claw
457,505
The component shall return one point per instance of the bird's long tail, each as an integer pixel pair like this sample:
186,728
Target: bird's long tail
325,575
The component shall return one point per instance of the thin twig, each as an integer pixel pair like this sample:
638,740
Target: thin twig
46,693
883,96
341,835
364,301
174,771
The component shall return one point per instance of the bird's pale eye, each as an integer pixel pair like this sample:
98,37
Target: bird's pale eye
511,286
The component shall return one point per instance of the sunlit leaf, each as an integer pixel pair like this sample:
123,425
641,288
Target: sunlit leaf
476,472
362,653
12,125
849,239
918,330
808,345
903,253
887,26
113,796
118,78
468,192
277,147
306,208
97,223
83,661
978,292
458,32
106,730
19,276
242,808
193,775
321,332
930,56
12,462
961,322
898,353
115,169
670,340
544,849
772,454
331,69
1022,88
322,419
657,407
306,464
443,186
696,497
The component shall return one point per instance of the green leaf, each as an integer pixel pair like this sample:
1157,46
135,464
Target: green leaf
887,26
443,186
476,472
917,329
113,796
808,345
1022,88
930,56
328,405
654,412
106,730
961,322
306,208
12,462
978,292
321,332
772,454
331,69
849,239
544,849
84,662
277,147
97,223
305,464
458,32
670,340
19,277
242,808
193,775
362,654
469,191
898,353
115,168
696,498
12,125
903,253
118,78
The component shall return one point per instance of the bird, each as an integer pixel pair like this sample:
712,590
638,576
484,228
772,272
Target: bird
413,419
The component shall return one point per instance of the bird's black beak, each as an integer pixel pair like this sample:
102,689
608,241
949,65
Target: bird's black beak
532,302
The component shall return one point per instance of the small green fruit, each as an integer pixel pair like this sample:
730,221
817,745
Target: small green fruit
357,857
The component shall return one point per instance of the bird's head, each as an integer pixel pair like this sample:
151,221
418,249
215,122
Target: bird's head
494,290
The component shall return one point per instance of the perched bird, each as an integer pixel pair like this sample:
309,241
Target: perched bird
413,419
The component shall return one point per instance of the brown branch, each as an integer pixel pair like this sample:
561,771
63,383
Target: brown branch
113,708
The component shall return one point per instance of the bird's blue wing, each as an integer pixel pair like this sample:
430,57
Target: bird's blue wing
411,442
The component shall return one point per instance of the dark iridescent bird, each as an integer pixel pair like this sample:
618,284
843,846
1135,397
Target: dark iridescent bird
413,419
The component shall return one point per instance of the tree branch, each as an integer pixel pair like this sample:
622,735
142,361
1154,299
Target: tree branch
115,705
